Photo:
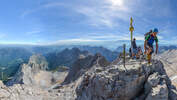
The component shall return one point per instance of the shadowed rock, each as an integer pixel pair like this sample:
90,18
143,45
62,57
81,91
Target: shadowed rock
83,64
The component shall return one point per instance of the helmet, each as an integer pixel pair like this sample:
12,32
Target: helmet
155,30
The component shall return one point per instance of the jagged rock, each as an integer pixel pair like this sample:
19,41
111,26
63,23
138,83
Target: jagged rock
160,92
34,73
26,92
156,87
23,92
119,83
152,81
169,59
2,84
82,65
26,72
114,83
173,94
38,62
93,78
4,93
81,56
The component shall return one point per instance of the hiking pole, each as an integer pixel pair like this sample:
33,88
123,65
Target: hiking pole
131,31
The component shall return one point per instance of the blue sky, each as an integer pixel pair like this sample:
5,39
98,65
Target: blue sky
92,22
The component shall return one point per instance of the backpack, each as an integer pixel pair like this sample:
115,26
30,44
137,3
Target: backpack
148,33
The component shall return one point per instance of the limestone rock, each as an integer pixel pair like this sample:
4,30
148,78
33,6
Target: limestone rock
173,94
82,65
26,72
2,84
153,81
160,92
38,62
92,78
133,82
113,83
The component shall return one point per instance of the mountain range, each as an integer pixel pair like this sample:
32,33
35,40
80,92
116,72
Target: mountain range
11,57
91,77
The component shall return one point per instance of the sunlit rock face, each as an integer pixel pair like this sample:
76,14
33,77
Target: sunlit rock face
35,73
26,73
169,59
135,82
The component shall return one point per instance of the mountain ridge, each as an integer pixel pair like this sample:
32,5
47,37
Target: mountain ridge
102,80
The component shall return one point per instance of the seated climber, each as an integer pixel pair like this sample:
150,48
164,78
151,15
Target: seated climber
148,44
139,52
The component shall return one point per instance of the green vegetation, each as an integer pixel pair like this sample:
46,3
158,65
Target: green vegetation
60,69
8,71
4,77
10,60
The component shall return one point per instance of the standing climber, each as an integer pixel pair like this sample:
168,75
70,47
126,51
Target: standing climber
148,44
135,51
130,52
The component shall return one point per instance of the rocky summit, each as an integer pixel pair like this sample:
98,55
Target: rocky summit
94,78
135,81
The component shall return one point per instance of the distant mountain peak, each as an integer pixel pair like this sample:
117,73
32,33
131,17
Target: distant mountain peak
80,66
65,58
38,62
26,72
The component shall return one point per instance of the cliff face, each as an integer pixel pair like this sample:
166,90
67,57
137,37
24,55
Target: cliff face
93,78
34,73
169,59
135,82
26,72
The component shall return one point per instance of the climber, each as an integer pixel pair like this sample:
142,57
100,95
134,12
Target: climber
145,35
135,51
139,52
148,44
130,52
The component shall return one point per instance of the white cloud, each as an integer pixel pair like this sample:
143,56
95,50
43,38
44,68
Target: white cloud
71,41
109,12
90,39
112,14
53,4
32,32
41,7
105,13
